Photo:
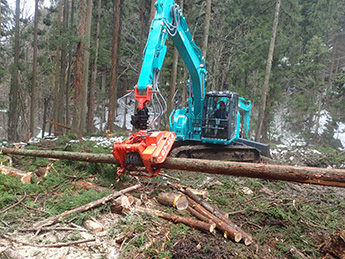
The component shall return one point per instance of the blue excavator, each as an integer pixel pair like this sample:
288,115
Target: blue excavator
215,124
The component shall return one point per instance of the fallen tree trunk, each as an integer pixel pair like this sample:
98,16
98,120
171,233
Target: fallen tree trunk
89,186
311,175
56,218
178,201
24,176
247,238
179,219
228,231
58,124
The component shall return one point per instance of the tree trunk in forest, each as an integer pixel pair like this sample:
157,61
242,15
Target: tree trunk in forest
114,64
13,113
153,10
266,121
45,107
57,68
103,108
311,175
206,28
142,32
63,65
265,87
34,97
69,70
86,66
90,128
0,20
173,77
78,76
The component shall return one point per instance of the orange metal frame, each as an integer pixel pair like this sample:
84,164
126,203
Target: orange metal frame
152,146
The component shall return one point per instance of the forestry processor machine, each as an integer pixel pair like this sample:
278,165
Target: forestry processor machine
215,125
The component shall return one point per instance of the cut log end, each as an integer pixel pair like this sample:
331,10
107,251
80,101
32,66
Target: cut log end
237,237
178,201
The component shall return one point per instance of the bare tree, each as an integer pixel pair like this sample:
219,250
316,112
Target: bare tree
13,113
57,70
90,128
34,75
0,19
206,27
69,70
173,77
114,63
78,77
265,87
86,66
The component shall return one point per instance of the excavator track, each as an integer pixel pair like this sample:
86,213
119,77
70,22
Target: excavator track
212,152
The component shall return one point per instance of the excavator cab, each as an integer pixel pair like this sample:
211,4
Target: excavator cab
220,116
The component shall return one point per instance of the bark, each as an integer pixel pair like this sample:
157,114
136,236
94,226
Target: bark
228,231
142,32
247,238
57,70
173,77
114,64
311,175
198,215
69,70
63,65
90,128
178,201
0,20
56,218
178,219
266,122
58,124
33,107
265,87
13,113
45,106
78,77
86,66
153,10
25,177
89,186
121,204
206,27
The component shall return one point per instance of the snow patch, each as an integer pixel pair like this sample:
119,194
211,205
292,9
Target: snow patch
105,142
340,133
325,118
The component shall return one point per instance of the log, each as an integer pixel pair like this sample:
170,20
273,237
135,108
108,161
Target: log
198,215
93,225
25,177
178,201
89,186
121,204
309,175
228,231
58,124
179,219
56,218
247,238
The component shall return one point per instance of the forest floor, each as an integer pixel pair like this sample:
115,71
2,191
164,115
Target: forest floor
286,220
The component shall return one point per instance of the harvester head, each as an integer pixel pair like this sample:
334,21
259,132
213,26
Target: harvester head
143,151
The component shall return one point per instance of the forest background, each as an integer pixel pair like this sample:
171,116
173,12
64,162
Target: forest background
69,62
